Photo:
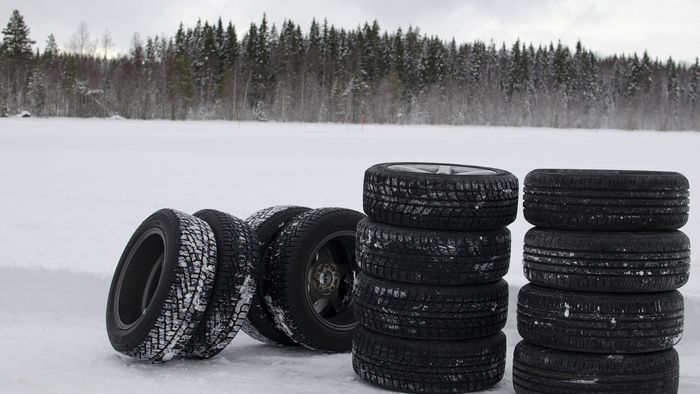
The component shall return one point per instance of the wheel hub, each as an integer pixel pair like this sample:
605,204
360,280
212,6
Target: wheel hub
326,278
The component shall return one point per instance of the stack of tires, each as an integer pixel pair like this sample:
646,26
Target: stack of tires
429,299
602,312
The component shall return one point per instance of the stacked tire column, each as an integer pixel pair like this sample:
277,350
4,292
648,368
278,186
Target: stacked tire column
429,298
602,312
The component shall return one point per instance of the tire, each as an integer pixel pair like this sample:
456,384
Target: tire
412,366
541,370
612,262
267,223
600,323
606,200
432,257
236,273
161,286
440,201
316,246
431,312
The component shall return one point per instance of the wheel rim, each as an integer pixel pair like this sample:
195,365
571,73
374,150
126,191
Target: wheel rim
139,279
441,169
329,279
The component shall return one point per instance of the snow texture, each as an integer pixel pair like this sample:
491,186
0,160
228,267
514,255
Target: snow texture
73,192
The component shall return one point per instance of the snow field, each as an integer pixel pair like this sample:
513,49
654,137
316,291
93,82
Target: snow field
73,191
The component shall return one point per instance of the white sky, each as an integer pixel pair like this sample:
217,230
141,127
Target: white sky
665,28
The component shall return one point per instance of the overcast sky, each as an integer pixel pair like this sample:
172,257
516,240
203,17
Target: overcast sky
665,28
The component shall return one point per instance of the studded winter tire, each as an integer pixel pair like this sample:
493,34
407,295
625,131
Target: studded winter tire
308,283
440,196
432,257
431,312
267,223
606,200
236,273
161,286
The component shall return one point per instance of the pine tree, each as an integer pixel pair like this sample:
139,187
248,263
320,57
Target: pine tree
694,83
51,48
16,41
561,64
673,89
261,70
230,45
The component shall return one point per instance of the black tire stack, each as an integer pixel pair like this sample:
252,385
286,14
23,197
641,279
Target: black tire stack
429,298
602,312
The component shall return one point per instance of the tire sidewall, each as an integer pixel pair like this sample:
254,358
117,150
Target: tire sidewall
125,339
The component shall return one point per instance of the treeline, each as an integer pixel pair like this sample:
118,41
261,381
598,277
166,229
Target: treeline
329,74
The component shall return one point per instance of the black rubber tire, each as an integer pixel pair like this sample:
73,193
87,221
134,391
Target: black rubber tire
267,223
431,312
166,274
606,200
600,322
432,257
236,274
285,279
440,202
608,262
414,366
540,370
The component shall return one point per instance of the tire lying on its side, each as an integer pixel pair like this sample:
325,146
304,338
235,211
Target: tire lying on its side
440,196
600,322
541,370
614,262
432,257
267,223
606,200
161,286
236,274
431,312
308,282
413,366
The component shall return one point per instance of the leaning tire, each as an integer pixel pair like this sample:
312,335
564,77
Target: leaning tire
161,286
540,370
431,312
422,195
606,200
236,273
600,322
611,262
412,366
267,223
432,257
308,283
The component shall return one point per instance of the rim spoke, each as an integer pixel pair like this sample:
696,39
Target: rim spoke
314,295
446,170
411,169
322,305
474,172
336,302
323,256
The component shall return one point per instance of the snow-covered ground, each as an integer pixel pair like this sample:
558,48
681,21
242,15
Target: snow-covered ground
72,192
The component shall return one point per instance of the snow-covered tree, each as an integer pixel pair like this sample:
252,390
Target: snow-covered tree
16,41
